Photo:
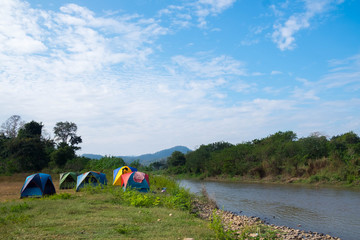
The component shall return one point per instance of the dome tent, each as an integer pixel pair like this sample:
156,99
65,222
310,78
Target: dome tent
119,171
37,185
90,178
136,180
68,180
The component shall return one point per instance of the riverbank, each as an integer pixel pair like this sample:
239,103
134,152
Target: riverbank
250,226
272,179
104,213
99,213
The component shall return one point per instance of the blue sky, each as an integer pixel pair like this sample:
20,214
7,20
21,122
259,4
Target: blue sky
141,76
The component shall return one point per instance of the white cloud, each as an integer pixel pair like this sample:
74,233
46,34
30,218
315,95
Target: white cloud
205,8
242,86
284,33
344,73
275,72
201,9
217,66
19,33
302,94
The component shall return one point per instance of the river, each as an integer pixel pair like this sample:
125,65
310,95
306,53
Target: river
329,210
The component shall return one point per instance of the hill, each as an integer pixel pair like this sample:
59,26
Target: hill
92,156
148,158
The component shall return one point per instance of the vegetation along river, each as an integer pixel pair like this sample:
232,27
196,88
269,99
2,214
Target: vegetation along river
334,211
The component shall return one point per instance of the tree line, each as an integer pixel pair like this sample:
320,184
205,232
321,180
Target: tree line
26,147
280,155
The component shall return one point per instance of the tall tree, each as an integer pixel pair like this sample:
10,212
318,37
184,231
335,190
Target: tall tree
12,125
65,132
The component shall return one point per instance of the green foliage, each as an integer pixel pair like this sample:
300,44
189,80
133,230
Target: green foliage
258,232
136,164
105,163
31,130
26,154
178,199
91,189
174,197
62,154
157,165
197,160
65,132
219,229
314,147
59,196
248,232
176,159
280,155
76,164
138,199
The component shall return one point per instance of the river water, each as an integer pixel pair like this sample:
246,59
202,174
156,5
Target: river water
333,211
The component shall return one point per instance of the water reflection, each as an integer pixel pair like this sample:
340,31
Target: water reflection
333,211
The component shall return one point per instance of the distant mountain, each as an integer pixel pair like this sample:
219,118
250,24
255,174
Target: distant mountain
146,159
92,156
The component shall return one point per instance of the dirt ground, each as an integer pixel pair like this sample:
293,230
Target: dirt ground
10,186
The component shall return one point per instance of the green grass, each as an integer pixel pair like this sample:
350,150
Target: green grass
104,213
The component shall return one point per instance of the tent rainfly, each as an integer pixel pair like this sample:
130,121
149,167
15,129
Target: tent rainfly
37,185
68,180
90,178
136,180
119,171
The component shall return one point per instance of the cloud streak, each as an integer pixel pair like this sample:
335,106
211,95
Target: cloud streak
284,33
184,15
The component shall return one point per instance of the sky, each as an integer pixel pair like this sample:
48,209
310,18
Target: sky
141,76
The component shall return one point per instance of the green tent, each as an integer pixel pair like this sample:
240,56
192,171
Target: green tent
68,180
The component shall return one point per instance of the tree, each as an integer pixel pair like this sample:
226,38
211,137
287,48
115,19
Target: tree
31,130
158,165
177,158
27,152
12,125
62,155
314,147
136,164
65,132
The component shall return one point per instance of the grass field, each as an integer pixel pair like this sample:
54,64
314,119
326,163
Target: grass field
95,214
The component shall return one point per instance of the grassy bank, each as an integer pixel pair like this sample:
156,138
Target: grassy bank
96,216
104,213
111,213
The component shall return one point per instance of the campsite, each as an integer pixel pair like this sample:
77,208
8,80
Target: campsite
97,213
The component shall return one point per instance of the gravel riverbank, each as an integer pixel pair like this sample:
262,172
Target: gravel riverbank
205,209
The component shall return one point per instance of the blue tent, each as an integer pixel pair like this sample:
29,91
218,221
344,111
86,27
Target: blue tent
90,178
37,185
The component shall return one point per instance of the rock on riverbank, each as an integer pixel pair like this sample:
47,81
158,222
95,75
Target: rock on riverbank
204,209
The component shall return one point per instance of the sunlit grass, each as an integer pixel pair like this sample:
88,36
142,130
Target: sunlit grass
103,213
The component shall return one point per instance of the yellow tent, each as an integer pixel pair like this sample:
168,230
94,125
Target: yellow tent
119,171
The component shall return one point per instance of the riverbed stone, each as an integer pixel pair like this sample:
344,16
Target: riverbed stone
204,209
